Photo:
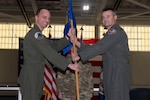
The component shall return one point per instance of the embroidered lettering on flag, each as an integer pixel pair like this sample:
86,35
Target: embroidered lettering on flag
50,84
70,16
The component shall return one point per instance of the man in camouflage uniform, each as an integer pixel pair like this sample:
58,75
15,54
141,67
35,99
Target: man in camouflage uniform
36,48
66,83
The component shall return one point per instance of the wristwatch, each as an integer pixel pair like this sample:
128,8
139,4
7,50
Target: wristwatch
68,36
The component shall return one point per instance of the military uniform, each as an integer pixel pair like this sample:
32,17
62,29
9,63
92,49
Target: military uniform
115,55
36,48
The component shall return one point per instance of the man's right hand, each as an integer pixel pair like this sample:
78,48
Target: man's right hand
75,57
74,67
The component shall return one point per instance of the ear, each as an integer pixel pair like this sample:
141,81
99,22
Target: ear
36,18
116,17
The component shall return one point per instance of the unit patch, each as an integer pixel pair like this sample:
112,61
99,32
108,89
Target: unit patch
38,35
112,31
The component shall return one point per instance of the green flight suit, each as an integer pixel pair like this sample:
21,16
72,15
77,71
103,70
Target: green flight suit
36,48
115,55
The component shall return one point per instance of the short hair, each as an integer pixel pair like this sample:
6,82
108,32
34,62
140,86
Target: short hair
112,9
39,9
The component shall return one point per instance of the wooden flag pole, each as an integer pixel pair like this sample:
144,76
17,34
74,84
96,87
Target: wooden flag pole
76,73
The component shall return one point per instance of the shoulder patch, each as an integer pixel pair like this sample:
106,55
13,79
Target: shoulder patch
38,35
112,31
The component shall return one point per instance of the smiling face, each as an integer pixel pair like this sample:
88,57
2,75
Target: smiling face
109,18
42,19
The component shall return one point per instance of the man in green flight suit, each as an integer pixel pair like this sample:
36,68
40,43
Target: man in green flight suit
36,48
115,54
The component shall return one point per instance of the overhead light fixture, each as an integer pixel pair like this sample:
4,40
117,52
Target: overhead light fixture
86,7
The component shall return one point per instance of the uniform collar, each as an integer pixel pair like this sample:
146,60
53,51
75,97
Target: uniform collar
112,30
115,25
38,29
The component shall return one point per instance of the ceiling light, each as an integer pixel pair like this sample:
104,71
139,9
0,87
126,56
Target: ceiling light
86,7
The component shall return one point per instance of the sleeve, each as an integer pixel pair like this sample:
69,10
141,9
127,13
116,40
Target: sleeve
58,45
43,46
102,46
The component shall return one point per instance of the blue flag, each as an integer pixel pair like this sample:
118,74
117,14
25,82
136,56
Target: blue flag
70,16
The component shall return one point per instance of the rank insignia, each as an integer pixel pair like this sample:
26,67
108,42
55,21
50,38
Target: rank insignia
38,35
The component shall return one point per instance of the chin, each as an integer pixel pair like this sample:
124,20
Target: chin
44,26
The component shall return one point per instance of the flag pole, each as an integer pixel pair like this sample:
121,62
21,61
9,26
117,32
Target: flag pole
76,73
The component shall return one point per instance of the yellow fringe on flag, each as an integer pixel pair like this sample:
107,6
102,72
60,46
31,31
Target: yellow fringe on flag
47,93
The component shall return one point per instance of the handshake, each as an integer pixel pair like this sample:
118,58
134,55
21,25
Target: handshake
73,39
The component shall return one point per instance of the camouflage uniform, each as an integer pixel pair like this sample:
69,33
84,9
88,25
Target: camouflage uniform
67,85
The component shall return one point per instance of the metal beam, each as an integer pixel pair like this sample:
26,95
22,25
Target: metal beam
10,16
139,4
34,6
24,13
117,3
134,15
101,5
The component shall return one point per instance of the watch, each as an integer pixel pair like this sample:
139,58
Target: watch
68,36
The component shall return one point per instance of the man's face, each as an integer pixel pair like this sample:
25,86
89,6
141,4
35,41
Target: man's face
108,18
43,19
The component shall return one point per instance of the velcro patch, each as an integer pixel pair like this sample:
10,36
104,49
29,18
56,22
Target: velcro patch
38,35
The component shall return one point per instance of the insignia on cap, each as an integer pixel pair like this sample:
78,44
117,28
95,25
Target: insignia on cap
38,35
112,31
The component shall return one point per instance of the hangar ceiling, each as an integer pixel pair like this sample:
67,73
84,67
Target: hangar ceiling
129,11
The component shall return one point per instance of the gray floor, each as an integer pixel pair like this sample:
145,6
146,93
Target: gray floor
136,94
